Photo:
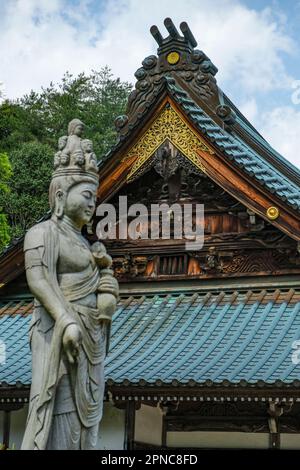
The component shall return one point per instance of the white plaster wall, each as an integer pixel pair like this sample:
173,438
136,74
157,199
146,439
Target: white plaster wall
148,429
148,425
111,432
222,440
112,428
17,427
290,441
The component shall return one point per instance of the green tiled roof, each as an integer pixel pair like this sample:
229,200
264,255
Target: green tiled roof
238,151
229,336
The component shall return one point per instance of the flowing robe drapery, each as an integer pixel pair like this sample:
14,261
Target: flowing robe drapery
50,370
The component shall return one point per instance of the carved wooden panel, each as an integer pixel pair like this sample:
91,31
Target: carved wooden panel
207,262
246,417
177,264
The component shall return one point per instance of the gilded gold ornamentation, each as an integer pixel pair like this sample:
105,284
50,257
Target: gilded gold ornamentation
173,58
273,213
168,126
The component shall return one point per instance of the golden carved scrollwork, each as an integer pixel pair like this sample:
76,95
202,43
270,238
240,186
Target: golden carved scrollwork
168,126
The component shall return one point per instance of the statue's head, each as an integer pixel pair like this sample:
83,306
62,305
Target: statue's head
74,197
62,141
74,184
87,145
75,127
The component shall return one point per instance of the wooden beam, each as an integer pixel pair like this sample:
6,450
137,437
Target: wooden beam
232,393
117,176
12,265
129,425
249,194
274,440
164,432
6,429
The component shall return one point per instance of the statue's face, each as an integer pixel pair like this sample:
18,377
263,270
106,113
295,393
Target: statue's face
62,143
80,203
87,146
78,130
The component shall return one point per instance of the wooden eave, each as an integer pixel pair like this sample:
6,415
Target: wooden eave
214,393
12,265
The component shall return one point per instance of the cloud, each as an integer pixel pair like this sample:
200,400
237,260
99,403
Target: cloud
281,128
248,47
41,39
39,42
249,109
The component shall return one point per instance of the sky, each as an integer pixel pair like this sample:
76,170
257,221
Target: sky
254,43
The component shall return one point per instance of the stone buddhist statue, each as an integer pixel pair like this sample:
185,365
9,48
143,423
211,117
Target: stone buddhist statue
75,296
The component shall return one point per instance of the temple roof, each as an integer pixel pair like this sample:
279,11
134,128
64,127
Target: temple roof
226,337
231,144
238,151
187,75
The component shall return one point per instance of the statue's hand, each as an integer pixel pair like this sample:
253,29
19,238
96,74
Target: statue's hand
71,342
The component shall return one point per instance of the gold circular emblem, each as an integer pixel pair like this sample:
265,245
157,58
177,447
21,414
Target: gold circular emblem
173,58
272,213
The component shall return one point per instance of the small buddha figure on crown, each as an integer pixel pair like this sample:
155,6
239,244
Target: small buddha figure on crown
73,151
59,157
90,157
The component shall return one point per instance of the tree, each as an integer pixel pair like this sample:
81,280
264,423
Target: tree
97,99
5,174
31,126
28,198
14,126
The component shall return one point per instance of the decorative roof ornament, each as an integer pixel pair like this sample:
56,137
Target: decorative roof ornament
225,113
177,58
273,213
187,42
176,50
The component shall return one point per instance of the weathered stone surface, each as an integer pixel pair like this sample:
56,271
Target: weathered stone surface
75,297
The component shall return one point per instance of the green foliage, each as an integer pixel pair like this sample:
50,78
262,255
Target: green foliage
14,126
30,128
96,99
28,199
5,174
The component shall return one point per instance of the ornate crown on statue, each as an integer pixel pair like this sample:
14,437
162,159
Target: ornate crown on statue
75,155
